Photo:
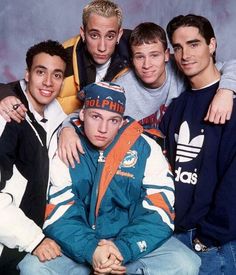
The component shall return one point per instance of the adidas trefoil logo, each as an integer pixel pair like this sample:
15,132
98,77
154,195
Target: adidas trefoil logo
187,149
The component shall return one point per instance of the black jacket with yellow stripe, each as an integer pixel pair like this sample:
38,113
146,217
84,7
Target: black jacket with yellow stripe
76,78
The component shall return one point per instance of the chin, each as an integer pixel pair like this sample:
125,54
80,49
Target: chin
100,61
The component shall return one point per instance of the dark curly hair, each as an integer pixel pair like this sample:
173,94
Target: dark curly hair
50,47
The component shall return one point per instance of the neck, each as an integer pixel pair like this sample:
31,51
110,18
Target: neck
39,108
204,78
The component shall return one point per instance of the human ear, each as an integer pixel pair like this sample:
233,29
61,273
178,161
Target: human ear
82,33
81,115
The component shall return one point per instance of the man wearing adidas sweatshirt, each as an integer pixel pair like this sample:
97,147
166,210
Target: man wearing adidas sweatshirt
202,155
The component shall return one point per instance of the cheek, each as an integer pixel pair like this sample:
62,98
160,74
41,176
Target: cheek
137,66
58,85
111,45
91,45
90,127
113,131
177,57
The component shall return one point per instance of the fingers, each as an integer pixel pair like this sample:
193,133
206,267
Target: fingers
118,269
116,253
102,271
113,269
112,249
47,250
220,109
5,115
11,108
217,117
228,116
68,147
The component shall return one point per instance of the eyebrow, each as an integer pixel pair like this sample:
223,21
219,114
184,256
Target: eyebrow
40,67
188,42
109,31
193,41
98,114
45,68
148,52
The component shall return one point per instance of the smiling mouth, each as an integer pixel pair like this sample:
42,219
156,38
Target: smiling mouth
45,92
187,64
147,74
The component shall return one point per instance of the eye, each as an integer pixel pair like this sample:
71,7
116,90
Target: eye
95,117
93,35
193,45
40,72
177,49
154,55
110,36
138,57
115,121
58,75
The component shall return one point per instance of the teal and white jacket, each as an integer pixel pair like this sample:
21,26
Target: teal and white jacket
124,193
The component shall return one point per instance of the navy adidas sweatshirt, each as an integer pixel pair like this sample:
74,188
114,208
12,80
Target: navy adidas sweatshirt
203,157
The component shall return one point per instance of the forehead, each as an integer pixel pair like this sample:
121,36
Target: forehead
186,33
103,113
101,23
52,62
148,48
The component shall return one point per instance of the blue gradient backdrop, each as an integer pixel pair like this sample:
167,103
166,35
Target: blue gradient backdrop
26,22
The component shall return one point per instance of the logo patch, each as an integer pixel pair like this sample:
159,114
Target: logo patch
142,246
187,149
130,159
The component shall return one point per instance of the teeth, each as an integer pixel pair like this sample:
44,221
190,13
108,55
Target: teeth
45,92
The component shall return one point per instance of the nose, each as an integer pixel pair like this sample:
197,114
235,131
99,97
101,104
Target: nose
102,45
47,81
146,62
103,126
185,53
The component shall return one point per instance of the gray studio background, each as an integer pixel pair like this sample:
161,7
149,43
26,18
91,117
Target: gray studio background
26,22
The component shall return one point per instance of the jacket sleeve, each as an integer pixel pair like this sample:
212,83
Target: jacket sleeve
67,223
72,232
152,219
16,230
6,90
228,75
219,224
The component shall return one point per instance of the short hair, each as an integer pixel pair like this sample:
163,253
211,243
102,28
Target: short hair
148,33
103,8
50,47
191,20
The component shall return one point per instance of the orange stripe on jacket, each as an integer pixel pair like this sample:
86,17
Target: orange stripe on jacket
115,156
155,132
50,207
158,201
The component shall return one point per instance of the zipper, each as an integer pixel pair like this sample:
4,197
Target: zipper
101,160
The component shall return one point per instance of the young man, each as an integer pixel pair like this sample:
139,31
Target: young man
152,84
25,150
155,79
120,219
100,52
202,155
